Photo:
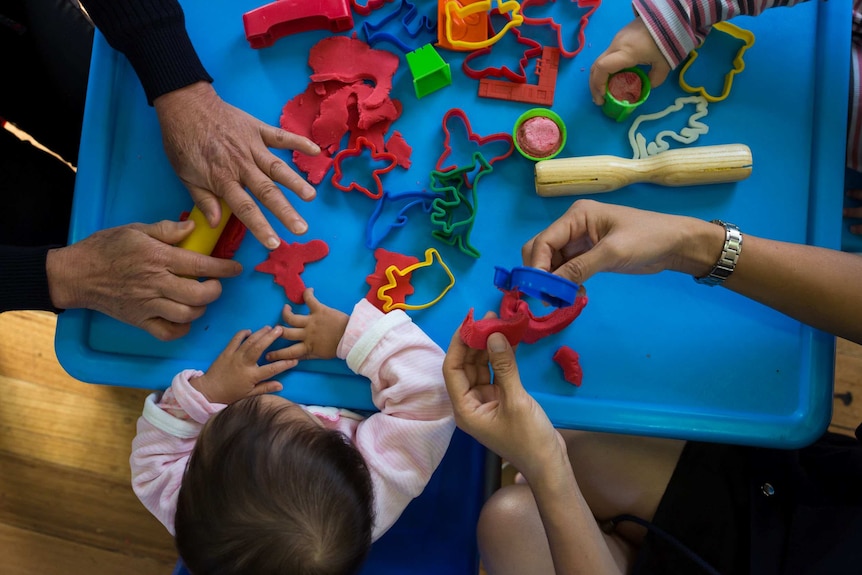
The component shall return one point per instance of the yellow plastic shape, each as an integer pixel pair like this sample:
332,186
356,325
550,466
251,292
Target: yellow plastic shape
738,62
203,238
392,271
455,12
472,29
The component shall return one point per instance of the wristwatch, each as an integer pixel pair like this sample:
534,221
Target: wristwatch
729,256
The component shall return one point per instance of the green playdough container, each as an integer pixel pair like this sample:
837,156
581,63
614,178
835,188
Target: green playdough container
540,112
620,110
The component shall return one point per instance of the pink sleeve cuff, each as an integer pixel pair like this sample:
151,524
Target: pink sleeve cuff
191,400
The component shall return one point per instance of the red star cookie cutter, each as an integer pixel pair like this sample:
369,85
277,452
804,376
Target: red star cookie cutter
355,151
287,262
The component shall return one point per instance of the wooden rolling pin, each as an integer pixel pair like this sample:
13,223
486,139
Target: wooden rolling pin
680,167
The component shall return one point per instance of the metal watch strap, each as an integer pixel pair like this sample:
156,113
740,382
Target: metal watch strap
729,255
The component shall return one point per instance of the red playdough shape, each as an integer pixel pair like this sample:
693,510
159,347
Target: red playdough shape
287,261
475,333
542,326
398,147
539,136
625,87
348,94
378,278
568,359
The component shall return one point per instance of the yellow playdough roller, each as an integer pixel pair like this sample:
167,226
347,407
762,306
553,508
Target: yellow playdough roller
203,238
679,167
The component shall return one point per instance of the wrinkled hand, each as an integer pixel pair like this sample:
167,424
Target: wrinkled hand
134,274
854,213
317,334
594,237
218,150
631,46
502,416
235,374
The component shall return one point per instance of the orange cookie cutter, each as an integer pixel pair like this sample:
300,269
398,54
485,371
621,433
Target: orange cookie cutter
735,31
454,12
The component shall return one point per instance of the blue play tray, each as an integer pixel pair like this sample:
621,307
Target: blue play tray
661,355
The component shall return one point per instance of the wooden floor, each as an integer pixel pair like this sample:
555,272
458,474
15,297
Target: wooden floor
66,507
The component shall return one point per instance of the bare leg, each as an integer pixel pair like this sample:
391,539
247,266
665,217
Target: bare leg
622,474
512,538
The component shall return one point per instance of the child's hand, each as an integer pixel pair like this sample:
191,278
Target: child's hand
235,373
631,46
317,334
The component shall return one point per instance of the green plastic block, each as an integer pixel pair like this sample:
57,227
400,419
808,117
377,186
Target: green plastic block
430,72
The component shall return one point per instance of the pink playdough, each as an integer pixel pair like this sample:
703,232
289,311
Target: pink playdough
539,136
625,87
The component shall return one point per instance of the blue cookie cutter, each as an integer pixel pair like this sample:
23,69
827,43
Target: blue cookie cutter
550,288
414,24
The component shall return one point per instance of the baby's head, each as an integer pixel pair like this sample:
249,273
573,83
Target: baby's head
268,490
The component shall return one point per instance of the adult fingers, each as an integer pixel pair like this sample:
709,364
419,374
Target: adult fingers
502,359
207,202
163,329
457,383
282,139
278,170
188,291
261,185
248,212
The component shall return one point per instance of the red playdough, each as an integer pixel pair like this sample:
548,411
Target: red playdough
230,239
287,262
348,95
625,87
568,359
518,323
539,136
378,279
475,333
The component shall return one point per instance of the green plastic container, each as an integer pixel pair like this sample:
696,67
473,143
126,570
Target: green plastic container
620,110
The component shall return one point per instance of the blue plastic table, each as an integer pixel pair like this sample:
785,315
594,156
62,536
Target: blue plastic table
661,355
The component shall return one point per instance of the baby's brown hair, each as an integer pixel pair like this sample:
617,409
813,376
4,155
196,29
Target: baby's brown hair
267,496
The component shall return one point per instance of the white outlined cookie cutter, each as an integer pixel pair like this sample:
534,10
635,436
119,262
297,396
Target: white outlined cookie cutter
693,130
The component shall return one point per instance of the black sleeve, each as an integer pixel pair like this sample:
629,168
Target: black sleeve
25,279
152,35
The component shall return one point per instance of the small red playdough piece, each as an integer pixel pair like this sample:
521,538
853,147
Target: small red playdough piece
625,87
568,359
287,262
475,333
398,147
539,136
264,25
378,278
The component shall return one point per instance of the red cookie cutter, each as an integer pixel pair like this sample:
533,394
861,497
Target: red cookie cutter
264,25
362,143
533,50
473,137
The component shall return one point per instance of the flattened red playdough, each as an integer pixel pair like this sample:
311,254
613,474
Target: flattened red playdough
287,262
625,87
539,136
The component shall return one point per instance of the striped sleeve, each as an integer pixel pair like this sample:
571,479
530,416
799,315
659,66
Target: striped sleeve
680,26
854,123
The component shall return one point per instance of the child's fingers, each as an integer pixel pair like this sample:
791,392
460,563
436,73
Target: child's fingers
294,319
312,302
262,339
265,387
293,333
269,370
291,352
237,340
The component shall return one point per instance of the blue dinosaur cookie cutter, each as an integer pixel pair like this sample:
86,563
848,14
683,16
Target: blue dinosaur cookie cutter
550,288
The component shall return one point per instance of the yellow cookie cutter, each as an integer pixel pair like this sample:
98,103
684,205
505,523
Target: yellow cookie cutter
454,11
738,62
392,271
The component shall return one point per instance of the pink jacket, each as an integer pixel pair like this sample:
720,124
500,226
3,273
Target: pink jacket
402,444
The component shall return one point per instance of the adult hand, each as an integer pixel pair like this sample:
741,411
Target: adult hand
594,237
502,416
235,374
316,335
218,151
631,46
133,273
